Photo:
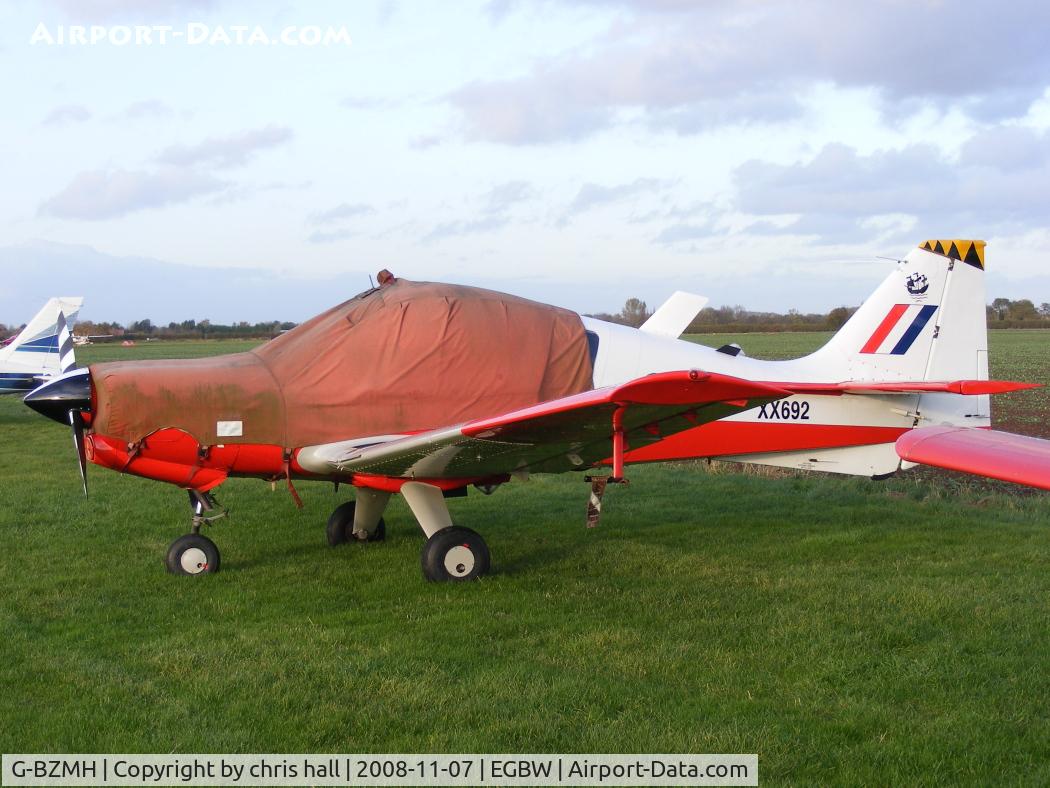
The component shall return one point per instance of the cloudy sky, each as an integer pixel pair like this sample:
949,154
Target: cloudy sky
765,154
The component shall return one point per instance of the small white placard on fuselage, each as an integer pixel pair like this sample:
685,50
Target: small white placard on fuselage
229,429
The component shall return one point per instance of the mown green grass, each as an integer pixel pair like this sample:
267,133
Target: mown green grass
845,630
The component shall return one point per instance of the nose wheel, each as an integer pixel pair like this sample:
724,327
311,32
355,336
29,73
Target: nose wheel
192,554
455,554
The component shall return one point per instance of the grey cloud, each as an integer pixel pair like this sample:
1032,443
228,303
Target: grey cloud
107,194
470,227
495,208
677,233
829,229
528,111
746,108
1006,148
148,108
106,10
67,113
231,151
504,196
366,103
840,181
324,237
497,10
838,193
386,11
692,65
681,214
426,141
593,195
340,212
236,193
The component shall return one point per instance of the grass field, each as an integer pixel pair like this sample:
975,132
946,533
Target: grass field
847,631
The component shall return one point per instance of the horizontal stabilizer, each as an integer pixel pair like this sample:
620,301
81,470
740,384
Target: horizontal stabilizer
968,387
675,315
997,455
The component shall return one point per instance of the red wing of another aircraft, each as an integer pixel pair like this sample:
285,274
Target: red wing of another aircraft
999,455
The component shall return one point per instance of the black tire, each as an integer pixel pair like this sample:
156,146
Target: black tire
445,560
192,554
340,527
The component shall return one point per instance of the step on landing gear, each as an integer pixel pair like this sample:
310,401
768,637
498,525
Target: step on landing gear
193,554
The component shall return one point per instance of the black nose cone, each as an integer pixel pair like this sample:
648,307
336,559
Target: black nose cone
57,397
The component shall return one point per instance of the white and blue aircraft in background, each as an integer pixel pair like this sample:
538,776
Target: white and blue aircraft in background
43,349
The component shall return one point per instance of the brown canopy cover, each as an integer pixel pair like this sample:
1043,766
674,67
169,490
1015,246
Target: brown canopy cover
409,356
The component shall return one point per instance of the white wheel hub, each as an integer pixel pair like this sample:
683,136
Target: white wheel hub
194,561
459,561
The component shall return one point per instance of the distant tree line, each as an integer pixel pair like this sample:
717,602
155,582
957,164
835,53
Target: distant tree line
204,329
1002,313
736,319
187,329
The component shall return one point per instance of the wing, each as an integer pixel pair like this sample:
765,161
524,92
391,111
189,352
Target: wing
999,455
571,433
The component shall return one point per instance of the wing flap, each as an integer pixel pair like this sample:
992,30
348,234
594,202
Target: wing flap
997,455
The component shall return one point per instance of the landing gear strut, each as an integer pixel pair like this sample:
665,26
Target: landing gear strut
360,520
451,553
193,554
340,527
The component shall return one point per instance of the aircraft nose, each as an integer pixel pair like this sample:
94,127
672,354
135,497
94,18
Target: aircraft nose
57,397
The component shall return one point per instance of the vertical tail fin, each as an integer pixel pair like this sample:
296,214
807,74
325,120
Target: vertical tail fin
926,321
39,346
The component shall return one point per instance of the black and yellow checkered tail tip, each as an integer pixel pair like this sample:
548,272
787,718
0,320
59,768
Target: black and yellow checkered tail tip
970,252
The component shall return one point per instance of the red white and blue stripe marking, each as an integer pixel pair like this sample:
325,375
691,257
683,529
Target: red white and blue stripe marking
899,329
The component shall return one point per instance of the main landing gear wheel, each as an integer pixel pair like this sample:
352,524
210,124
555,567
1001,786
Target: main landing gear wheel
192,554
341,526
455,554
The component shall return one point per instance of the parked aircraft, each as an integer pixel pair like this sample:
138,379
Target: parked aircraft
424,389
41,350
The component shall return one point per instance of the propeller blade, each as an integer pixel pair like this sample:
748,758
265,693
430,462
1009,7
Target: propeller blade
76,421
66,399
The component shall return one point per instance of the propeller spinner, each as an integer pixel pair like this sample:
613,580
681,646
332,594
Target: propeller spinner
65,399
